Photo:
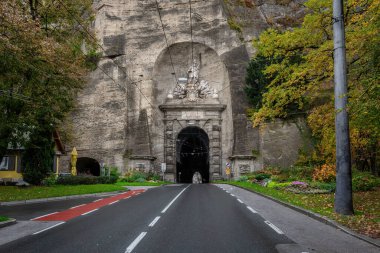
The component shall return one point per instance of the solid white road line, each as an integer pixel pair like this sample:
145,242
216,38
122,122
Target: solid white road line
135,242
90,211
240,201
97,200
171,202
113,202
154,221
36,233
274,227
251,209
43,216
77,206
127,197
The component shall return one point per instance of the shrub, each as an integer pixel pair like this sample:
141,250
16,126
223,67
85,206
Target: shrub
153,176
50,180
324,173
330,187
364,182
276,185
140,180
262,176
133,175
242,179
76,180
113,171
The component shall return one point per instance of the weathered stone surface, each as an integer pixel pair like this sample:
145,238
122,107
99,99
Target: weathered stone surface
281,141
117,115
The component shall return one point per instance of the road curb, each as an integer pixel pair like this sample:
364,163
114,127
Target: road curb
7,223
32,201
317,217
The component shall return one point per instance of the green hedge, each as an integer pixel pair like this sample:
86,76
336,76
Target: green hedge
76,180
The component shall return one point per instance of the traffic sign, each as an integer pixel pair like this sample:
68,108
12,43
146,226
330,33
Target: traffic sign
163,167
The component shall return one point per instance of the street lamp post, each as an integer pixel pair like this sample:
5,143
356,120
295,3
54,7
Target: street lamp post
343,193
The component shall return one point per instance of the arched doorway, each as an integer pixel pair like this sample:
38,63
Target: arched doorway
88,166
192,154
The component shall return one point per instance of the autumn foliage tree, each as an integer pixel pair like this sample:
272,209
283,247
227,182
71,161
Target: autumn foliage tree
301,80
43,62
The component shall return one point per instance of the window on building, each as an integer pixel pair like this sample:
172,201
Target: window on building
4,165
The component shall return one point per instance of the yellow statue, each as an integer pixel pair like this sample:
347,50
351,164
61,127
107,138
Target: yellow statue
74,155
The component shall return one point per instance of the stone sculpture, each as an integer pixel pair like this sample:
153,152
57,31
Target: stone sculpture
190,87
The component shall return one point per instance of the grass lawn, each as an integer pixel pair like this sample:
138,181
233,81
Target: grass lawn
366,204
142,184
3,218
12,193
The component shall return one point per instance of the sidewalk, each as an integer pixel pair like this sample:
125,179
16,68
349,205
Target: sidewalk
302,229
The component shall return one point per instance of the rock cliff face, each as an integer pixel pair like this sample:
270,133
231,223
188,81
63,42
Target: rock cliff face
147,46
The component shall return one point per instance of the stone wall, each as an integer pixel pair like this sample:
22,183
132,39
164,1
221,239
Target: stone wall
281,141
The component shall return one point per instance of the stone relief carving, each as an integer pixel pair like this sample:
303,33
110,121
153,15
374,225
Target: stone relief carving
191,87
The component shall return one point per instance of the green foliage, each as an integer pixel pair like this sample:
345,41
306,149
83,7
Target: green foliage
140,176
14,193
234,25
38,158
3,218
41,70
140,180
256,81
135,176
85,180
242,179
301,78
262,176
50,180
364,182
112,170
330,187
295,173
276,185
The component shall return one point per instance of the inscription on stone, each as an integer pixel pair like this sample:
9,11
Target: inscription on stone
192,114
244,168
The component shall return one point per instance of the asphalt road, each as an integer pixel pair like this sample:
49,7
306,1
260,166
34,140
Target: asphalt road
179,218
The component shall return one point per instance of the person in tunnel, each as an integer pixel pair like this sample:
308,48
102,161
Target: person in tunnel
197,178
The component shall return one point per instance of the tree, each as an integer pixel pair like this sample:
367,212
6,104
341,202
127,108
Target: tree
42,67
303,77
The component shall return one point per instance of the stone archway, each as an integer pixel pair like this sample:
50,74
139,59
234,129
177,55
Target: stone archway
192,154
88,166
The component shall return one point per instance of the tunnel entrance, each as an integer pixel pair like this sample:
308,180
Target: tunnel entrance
192,155
88,166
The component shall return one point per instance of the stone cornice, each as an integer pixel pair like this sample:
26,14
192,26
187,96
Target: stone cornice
192,107
142,157
241,157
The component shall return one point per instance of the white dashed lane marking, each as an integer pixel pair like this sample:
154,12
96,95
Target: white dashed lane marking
240,201
274,227
36,233
77,206
89,212
251,209
135,242
113,202
43,216
154,221
171,202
